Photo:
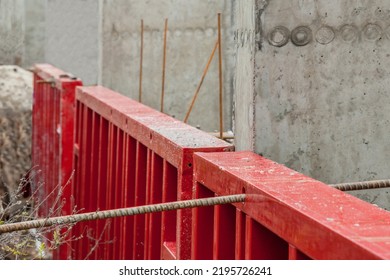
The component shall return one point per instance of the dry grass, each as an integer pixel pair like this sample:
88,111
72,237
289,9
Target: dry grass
24,204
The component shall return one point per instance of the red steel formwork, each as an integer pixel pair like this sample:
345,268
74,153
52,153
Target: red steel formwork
52,139
286,215
127,154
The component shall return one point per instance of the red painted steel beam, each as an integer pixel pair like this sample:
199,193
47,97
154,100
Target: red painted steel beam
158,167
310,216
62,84
160,132
52,129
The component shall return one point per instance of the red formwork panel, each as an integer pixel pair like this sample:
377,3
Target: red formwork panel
52,140
128,154
286,215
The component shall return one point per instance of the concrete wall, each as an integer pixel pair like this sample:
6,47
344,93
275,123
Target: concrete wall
245,34
11,31
99,41
34,37
191,37
22,32
72,37
321,74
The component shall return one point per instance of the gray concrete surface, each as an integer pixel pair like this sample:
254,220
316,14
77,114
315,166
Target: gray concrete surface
192,33
22,32
245,48
11,31
72,37
320,103
34,37
98,41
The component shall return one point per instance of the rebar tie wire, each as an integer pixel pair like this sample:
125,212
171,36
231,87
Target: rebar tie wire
98,215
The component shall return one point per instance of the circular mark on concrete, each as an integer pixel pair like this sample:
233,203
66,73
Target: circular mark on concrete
325,35
372,31
279,36
348,32
301,36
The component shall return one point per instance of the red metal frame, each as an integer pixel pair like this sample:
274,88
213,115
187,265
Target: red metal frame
52,137
127,154
286,215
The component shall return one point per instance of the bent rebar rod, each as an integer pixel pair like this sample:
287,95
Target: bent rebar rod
71,219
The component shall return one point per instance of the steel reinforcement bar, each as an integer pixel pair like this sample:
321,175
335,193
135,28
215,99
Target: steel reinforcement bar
114,213
368,185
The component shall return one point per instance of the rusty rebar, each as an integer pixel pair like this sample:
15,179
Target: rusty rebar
141,61
355,186
220,78
163,66
98,215
206,69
